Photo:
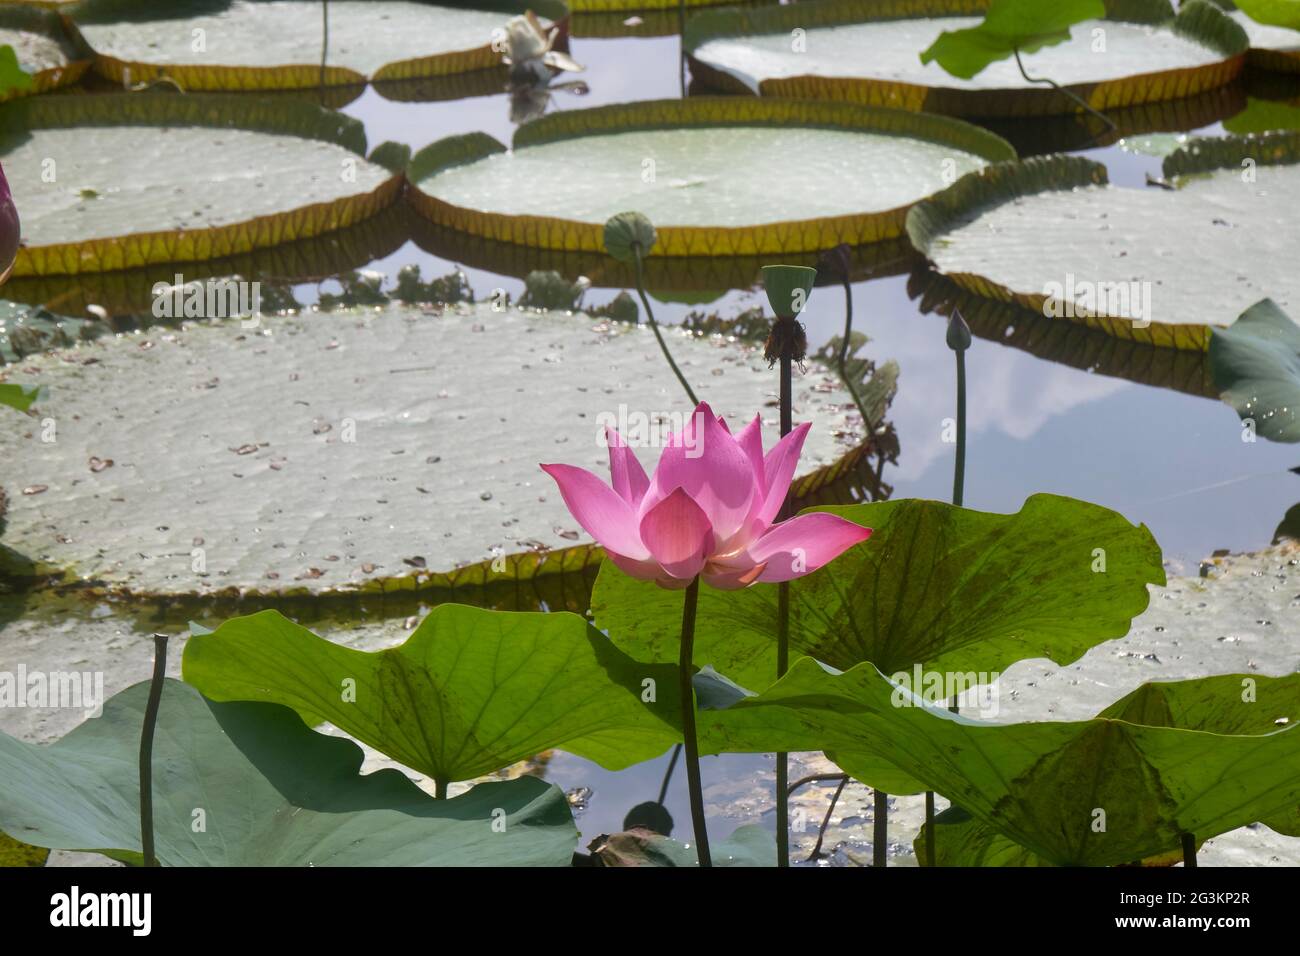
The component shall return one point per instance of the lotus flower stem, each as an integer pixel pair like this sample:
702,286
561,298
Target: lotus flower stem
783,630
668,774
880,829
1189,849
826,821
146,749
688,723
654,327
959,467
440,788
1110,123
324,44
929,828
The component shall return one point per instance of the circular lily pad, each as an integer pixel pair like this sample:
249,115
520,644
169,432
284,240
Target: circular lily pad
276,44
717,176
1152,265
121,181
357,450
817,50
1271,48
42,48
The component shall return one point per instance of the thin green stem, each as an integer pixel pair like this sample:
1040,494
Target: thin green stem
440,788
146,749
1110,123
324,44
867,423
1189,849
654,326
826,822
783,630
668,774
692,747
929,828
880,829
959,468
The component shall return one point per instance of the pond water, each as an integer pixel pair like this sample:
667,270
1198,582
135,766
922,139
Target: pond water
1171,460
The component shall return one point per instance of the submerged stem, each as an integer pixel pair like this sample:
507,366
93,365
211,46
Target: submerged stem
654,327
688,723
146,749
1062,90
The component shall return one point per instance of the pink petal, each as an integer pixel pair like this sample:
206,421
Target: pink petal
599,509
803,544
678,534
778,468
731,579
625,470
648,570
712,469
750,441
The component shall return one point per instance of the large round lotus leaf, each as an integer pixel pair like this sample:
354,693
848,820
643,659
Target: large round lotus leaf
271,793
329,450
277,43
1271,47
1150,265
817,49
715,176
113,182
41,50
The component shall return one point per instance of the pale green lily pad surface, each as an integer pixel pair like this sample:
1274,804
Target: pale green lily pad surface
35,51
266,790
1207,251
1131,48
362,37
319,451
710,176
1264,36
118,180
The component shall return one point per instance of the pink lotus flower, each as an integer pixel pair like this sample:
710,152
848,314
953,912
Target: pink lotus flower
10,231
707,510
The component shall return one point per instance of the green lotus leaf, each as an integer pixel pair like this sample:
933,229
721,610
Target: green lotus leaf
225,45
20,397
1042,234
1009,27
247,784
1262,116
1099,792
12,76
1255,363
1278,13
815,51
704,170
944,588
788,288
627,233
367,415
145,178
37,55
750,845
470,692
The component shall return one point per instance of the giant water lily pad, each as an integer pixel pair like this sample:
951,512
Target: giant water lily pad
949,589
248,784
1150,265
1256,365
384,448
150,178
42,49
1272,47
1159,58
470,692
276,44
1043,784
716,176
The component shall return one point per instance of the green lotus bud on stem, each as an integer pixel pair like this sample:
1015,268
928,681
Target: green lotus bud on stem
958,332
788,288
627,234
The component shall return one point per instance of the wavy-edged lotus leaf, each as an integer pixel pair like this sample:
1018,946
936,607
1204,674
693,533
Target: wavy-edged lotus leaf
21,397
1009,27
788,288
1277,13
151,178
1041,783
272,793
278,45
36,55
372,417
709,168
944,588
1231,704
627,234
471,691
750,845
1256,366
1148,55
1149,265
